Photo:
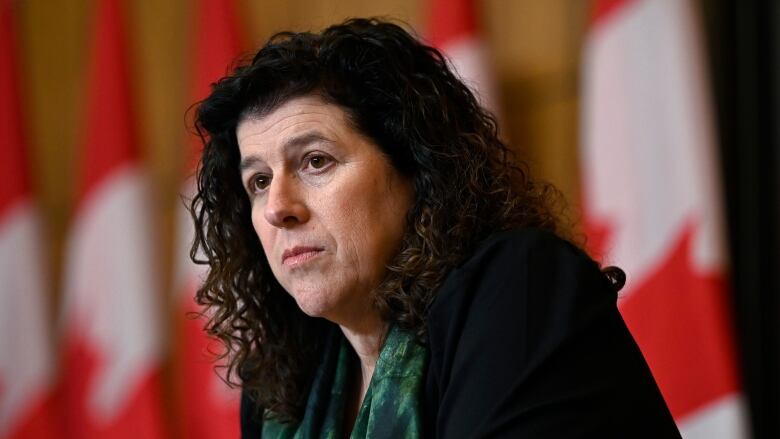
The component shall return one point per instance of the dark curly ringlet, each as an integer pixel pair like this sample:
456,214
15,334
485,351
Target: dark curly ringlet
403,96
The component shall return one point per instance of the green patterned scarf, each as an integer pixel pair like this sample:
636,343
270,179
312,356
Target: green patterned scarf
391,407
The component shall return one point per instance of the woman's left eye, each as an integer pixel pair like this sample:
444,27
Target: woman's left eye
318,161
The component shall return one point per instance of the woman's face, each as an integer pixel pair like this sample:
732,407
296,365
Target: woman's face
327,205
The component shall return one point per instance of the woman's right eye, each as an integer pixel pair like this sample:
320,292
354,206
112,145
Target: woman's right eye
258,183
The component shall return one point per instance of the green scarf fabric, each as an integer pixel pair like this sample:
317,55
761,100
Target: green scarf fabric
391,407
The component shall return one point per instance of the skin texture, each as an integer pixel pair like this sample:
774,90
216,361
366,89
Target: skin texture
318,185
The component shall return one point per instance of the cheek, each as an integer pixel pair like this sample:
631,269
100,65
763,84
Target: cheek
377,220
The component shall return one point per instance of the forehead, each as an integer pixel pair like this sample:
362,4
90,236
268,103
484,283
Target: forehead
296,115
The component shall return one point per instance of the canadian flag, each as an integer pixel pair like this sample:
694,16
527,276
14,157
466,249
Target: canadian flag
652,203
453,29
26,360
111,327
208,407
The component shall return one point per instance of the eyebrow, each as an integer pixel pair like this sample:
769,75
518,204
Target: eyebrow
294,142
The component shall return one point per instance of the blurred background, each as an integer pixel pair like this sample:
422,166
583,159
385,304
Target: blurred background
657,120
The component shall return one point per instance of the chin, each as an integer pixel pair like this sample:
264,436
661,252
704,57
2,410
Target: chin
312,303
311,311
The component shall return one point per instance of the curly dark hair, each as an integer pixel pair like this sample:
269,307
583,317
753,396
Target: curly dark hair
401,94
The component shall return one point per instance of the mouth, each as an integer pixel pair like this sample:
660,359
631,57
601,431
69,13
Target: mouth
298,255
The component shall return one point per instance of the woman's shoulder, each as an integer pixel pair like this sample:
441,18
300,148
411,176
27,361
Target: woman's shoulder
521,243
525,337
521,262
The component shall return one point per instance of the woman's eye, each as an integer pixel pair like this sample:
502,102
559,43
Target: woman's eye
318,161
258,183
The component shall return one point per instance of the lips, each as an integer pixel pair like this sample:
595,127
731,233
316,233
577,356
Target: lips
298,255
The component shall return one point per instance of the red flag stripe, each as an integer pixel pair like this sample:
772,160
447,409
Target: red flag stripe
207,408
216,44
139,419
210,409
26,398
602,10
38,422
110,132
111,384
14,181
451,20
694,329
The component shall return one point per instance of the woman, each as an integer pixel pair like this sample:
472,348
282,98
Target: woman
379,266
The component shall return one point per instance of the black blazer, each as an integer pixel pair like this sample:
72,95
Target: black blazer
526,342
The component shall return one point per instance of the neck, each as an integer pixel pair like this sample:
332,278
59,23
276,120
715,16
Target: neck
366,337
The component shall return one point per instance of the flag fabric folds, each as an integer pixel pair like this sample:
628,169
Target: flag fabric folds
652,203
112,339
208,407
26,362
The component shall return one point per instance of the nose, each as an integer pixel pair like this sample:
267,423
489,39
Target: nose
285,207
